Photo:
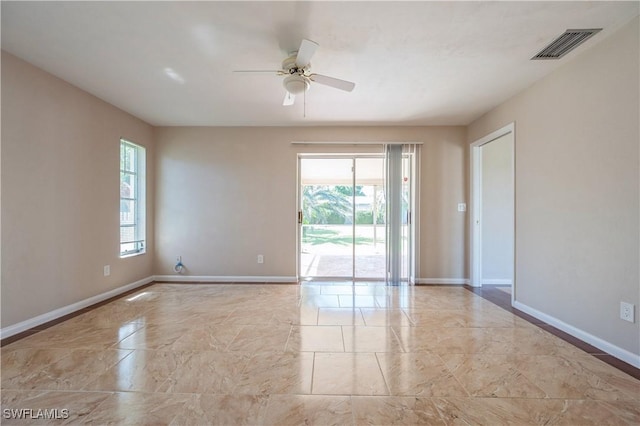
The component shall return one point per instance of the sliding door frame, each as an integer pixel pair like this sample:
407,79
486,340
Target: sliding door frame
414,208
353,158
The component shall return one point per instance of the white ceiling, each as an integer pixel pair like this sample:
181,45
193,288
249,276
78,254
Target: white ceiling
414,63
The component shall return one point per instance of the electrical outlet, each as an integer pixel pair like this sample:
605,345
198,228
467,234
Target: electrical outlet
627,311
107,270
260,258
462,207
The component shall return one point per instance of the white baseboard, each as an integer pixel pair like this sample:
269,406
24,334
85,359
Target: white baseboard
610,348
441,281
278,279
496,281
223,279
65,310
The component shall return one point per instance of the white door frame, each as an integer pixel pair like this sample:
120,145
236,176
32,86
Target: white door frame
353,158
414,245
475,215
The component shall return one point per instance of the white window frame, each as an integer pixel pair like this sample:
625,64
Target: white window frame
138,198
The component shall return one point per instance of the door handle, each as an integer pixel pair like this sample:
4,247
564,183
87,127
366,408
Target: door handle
300,217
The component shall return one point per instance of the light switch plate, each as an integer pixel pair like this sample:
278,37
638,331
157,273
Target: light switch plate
462,207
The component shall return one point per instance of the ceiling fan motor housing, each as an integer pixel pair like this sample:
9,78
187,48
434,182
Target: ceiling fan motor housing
289,66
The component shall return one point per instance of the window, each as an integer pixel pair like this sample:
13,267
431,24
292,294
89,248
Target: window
132,198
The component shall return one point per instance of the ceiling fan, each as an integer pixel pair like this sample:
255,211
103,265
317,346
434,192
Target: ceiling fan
298,79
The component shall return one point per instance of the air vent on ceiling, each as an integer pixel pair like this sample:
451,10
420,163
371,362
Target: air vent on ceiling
566,43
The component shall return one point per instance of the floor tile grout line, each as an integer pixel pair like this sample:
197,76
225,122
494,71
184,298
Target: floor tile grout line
455,377
403,311
115,345
313,372
286,343
353,412
88,415
384,380
404,349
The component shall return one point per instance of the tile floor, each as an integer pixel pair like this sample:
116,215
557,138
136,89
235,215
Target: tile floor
310,354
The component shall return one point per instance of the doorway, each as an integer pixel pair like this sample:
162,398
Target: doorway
493,210
342,214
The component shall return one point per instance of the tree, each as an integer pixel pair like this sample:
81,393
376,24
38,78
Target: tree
325,204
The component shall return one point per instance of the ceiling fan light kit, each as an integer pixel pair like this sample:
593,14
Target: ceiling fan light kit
296,84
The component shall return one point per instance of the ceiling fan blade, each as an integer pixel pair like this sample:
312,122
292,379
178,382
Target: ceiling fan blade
333,82
269,71
305,52
288,99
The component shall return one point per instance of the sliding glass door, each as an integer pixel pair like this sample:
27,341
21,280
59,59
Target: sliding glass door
342,217
370,218
326,218
345,226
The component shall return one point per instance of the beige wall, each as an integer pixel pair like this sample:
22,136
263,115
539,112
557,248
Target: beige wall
225,195
60,189
577,189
